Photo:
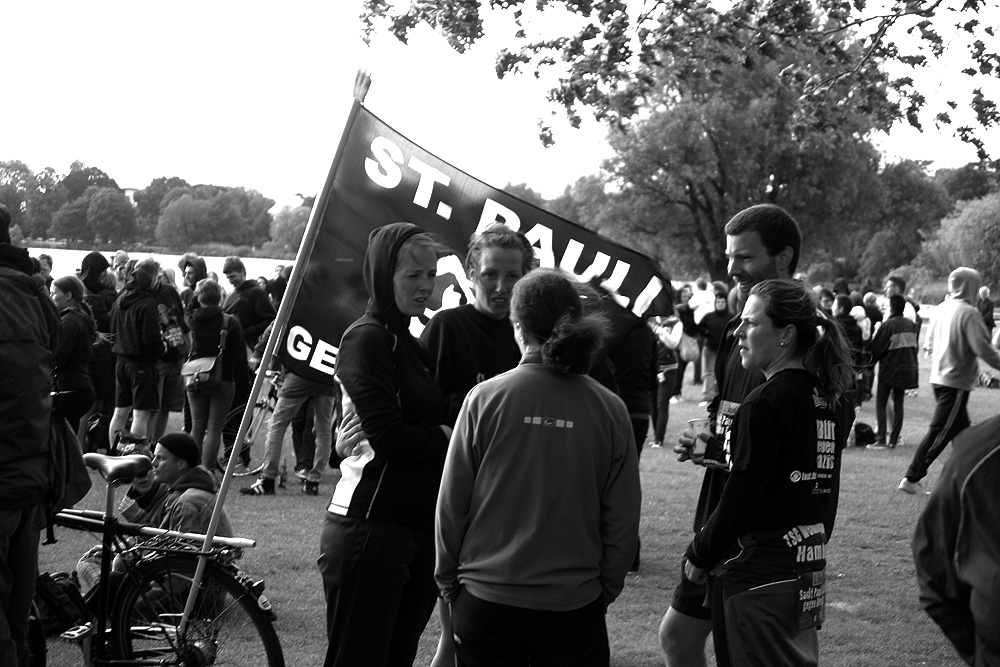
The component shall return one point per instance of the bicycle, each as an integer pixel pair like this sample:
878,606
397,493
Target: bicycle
141,616
256,435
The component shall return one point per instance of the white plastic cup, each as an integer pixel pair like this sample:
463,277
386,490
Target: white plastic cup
696,426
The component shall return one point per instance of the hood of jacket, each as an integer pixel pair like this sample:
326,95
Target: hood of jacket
203,314
198,478
92,270
963,283
137,288
15,257
380,265
200,269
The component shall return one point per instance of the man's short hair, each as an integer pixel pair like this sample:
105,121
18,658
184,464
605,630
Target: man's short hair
777,228
232,264
897,302
898,282
844,302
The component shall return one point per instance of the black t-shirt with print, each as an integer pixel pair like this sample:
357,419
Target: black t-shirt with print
785,447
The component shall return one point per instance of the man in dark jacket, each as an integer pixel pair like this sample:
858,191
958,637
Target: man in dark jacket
135,326
894,349
252,307
248,302
956,546
29,333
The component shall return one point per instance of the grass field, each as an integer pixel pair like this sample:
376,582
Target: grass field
873,616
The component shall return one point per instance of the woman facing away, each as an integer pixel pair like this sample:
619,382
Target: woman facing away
77,333
475,342
377,545
538,513
763,549
209,408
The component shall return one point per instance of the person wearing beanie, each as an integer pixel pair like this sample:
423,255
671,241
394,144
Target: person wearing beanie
179,495
957,336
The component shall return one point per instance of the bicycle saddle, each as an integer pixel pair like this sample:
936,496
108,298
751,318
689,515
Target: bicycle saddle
118,468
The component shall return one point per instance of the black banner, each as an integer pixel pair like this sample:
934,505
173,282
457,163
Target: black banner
381,177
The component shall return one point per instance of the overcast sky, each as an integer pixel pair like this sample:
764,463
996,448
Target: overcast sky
255,94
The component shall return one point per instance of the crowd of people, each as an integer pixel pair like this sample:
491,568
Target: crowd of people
489,468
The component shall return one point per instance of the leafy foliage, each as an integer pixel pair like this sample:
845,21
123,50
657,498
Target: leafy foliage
730,130
611,53
148,202
973,181
912,205
70,221
110,215
970,236
81,177
194,215
287,229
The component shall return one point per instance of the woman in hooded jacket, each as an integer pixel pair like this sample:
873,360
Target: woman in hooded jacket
76,342
377,544
100,298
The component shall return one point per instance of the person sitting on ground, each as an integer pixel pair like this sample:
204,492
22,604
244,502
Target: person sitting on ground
179,494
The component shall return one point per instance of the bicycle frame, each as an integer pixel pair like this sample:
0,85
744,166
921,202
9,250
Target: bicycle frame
122,470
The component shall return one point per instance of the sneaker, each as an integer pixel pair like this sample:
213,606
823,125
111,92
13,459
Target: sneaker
656,445
675,399
262,487
876,445
301,473
703,404
310,488
912,488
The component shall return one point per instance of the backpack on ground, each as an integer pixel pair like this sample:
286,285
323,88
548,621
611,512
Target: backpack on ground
60,603
864,434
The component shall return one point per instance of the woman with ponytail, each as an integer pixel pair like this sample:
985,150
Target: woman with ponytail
538,512
77,333
763,548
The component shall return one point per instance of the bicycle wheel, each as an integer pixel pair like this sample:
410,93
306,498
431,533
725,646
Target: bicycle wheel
227,627
253,441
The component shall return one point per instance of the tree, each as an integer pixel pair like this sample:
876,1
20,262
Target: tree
288,227
973,181
110,214
43,200
969,236
149,200
184,222
912,206
16,179
609,53
81,177
736,132
70,221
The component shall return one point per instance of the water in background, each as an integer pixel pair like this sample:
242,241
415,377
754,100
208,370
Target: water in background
67,262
